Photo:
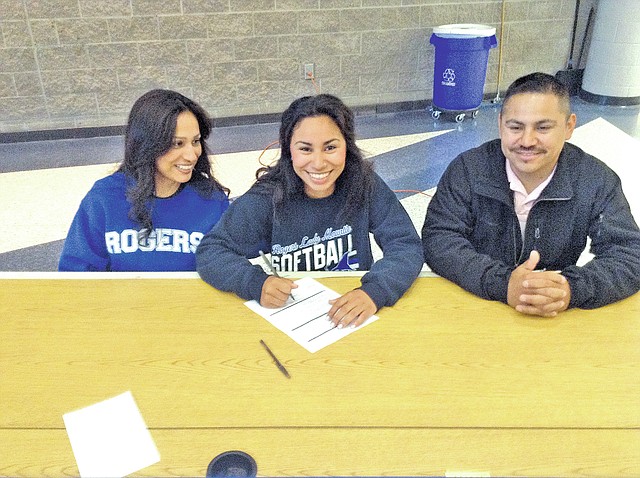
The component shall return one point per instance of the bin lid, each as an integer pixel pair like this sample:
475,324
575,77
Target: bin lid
462,30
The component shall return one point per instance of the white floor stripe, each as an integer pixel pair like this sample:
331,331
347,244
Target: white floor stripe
39,205
237,170
618,150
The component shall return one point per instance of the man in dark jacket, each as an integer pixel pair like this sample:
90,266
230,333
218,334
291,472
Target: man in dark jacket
510,218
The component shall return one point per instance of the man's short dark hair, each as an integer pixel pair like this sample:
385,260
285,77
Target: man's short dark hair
539,83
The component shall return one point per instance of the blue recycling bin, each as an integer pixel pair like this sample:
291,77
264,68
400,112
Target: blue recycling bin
462,55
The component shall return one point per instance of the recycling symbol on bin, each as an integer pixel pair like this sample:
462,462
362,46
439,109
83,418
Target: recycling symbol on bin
448,76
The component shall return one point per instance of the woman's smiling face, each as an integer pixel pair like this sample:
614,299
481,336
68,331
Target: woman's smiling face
176,165
318,153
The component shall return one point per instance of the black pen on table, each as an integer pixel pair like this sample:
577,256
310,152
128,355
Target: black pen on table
275,360
273,271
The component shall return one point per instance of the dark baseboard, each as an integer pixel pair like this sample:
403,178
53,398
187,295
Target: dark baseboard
65,133
93,132
609,100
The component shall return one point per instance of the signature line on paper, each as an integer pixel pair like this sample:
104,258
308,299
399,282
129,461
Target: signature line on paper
320,335
299,301
308,322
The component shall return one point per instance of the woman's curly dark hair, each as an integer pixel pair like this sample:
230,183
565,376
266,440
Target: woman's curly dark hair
149,134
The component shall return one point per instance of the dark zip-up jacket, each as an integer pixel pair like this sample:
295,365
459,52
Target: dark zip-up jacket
472,237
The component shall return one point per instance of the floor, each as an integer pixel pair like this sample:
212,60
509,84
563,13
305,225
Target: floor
42,183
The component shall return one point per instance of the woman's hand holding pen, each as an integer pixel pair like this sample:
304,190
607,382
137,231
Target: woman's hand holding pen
351,309
276,291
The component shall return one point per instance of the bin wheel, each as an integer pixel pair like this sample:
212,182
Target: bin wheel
474,114
460,118
435,114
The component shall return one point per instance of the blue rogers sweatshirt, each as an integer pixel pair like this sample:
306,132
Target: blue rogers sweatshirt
103,238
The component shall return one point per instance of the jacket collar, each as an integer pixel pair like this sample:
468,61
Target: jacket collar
492,181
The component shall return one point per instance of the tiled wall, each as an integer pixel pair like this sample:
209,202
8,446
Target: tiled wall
82,63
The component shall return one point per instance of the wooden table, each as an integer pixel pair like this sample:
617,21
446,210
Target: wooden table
443,382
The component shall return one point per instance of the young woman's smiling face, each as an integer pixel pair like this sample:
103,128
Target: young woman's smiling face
318,152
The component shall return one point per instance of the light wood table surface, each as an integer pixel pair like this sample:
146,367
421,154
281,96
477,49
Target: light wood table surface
443,382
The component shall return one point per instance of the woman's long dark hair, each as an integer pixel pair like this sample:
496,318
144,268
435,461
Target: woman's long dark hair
149,134
282,180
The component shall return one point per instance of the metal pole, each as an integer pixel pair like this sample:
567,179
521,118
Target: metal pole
497,98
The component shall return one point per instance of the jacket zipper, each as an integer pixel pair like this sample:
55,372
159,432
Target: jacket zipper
536,232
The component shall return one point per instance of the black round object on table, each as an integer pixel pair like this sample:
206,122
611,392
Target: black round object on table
232,464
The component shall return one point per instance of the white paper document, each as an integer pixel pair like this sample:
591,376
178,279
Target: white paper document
110,438
305,318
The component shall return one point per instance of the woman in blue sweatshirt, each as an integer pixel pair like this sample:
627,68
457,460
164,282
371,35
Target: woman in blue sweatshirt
314,210
152,213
